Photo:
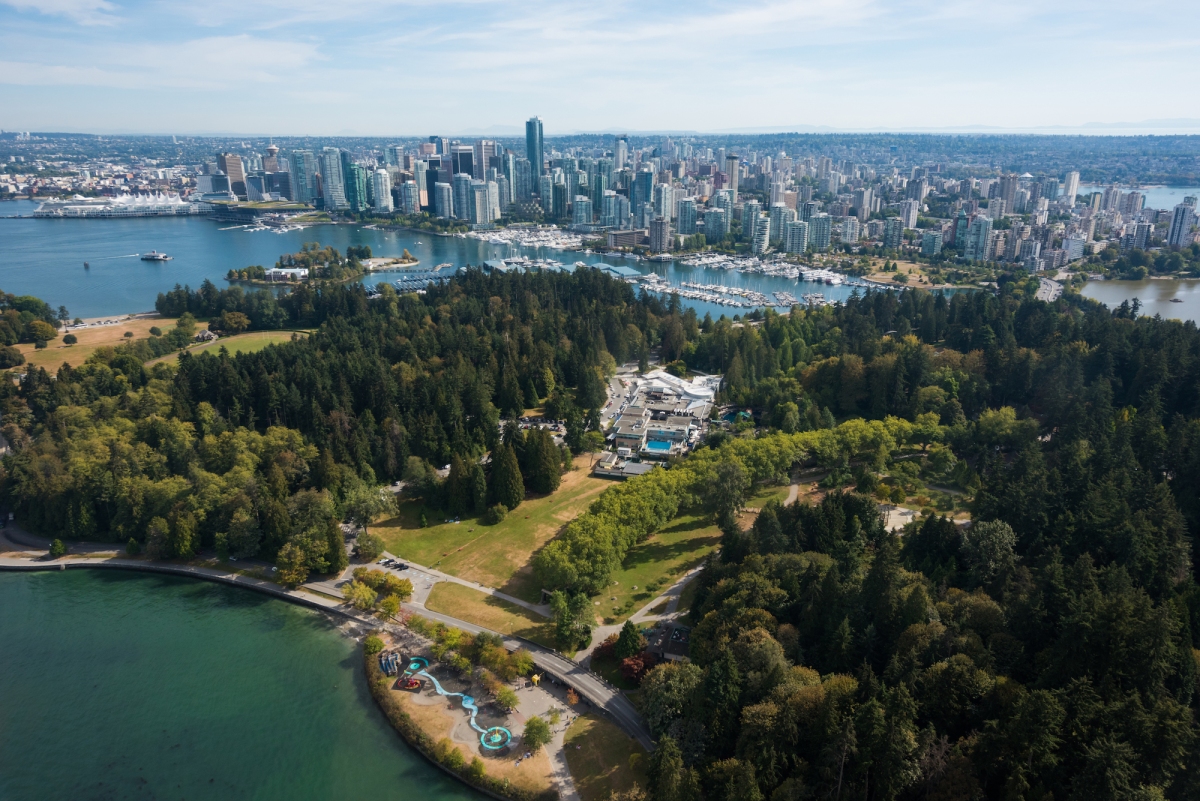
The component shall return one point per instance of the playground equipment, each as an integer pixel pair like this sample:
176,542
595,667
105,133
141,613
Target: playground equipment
493,738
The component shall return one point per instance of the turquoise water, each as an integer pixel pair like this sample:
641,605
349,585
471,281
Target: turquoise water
119,685
45,258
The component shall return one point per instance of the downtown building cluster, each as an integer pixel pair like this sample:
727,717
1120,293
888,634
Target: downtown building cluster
682,193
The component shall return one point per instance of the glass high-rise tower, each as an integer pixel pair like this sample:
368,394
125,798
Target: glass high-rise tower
533,145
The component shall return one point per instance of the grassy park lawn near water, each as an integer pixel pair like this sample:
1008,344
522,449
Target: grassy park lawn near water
250,342
599,755
651,567
55,354
494,556
492,613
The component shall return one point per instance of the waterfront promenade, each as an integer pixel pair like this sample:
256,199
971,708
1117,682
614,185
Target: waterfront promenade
27,552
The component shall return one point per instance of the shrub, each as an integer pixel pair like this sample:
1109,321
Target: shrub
155,331
372,645
636,667
606,649
495,514
57,549
129,335
41,343
133,547
70,339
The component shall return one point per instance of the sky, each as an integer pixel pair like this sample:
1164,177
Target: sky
416,67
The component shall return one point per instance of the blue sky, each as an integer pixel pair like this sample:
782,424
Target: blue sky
381,67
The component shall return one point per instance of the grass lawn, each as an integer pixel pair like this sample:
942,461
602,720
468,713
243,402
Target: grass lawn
601,762
654,565
90,339
495,556
251,342
492,613
767,494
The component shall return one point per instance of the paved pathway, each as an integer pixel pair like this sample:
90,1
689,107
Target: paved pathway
541,609
316,595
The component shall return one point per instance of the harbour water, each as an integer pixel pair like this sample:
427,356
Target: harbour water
1173,299
44,257
119,685
1157,197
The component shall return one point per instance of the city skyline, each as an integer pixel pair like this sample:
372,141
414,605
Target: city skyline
298,68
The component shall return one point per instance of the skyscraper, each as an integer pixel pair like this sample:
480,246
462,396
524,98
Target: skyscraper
462,195
893,233
664,201
304,176
381,182
732,167
687,216
410,197
545,186
795,236
908,213
1182,222
931,243
1072,187
485,151
333,183
533,145
231,165
621,150
642,191
850,230
780,216
660,235
978,239
581,210
443,200
716,225
523,183
558,199
760,233
820,231
356,183
462,160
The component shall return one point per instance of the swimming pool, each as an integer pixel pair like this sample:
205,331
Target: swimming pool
658,445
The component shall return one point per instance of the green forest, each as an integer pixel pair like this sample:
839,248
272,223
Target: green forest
1046,651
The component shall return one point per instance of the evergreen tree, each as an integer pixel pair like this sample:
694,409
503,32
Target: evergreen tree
507,486
630,642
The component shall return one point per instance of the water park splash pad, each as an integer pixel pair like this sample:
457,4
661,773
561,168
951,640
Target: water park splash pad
493,738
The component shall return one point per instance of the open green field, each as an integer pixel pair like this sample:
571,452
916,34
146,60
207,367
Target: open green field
653,566
601,763
251,342
492,613
90,339
494,556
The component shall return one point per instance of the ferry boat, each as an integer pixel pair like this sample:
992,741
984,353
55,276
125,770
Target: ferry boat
154,255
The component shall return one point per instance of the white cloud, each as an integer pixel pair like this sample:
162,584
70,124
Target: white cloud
85,12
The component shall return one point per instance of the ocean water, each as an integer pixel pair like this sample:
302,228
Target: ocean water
119,685
45,258
1157,197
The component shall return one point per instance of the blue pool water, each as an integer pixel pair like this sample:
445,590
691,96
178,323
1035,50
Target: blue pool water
657,445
